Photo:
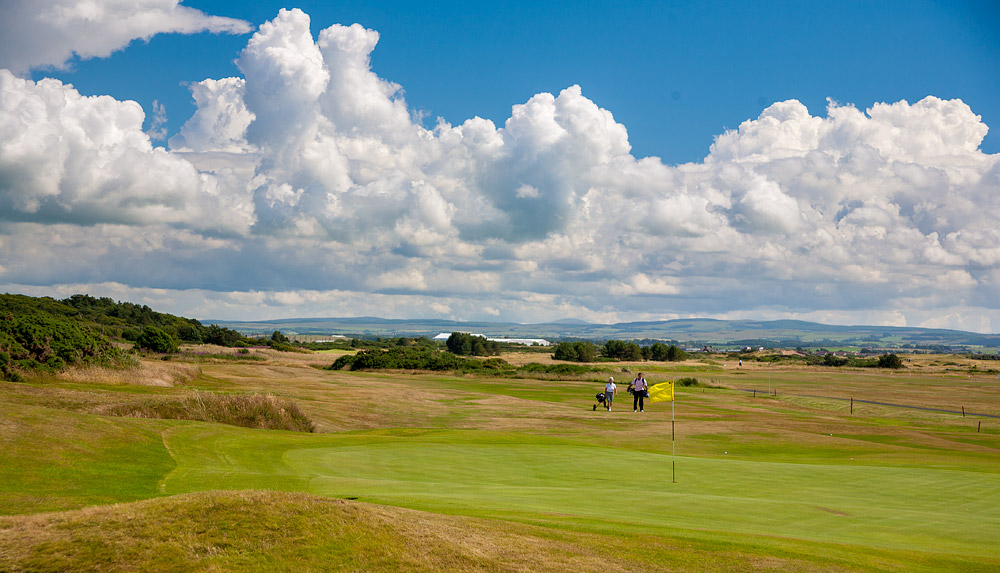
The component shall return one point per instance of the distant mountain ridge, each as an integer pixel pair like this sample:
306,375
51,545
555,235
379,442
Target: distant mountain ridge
688,331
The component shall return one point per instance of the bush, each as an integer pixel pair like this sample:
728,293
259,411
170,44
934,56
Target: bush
465,344
580,351
833,360
187,333
220,336
31,339
621,350
155,340
282,347
561,369
411,358
664,353
889,361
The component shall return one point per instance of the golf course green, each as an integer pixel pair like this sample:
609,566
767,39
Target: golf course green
756,483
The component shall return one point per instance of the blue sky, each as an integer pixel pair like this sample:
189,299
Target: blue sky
518,161
675,73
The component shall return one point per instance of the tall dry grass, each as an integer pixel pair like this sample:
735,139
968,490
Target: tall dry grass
138,372
260,411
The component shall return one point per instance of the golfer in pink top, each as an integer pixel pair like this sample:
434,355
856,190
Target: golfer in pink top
639,388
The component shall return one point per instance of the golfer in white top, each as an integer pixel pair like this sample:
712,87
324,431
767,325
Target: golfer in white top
609,393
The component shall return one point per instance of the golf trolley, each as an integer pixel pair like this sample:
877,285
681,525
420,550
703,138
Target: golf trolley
600,400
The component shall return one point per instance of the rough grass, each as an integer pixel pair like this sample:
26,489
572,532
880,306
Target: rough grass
143,373
258,411
267,531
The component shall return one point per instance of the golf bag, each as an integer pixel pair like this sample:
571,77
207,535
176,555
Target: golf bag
600,400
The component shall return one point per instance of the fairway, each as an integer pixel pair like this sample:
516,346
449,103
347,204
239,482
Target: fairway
786,481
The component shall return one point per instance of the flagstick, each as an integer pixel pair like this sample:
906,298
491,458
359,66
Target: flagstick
673,462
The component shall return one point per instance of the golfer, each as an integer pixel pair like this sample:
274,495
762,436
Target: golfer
609,393
639,388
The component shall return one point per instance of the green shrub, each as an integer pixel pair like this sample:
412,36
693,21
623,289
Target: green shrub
579,351
414,358
282,347
465,344
666,353
832,360
889,361
155,340
621,350
32,339
562,369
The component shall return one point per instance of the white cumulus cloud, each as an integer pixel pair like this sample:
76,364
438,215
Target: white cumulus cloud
65,157
48,33
309,175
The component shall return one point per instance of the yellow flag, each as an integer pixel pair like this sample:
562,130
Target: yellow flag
663,392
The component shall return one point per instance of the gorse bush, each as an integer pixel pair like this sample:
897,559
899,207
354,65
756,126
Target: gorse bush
246,410
44,334
889,361
664,353
579,351
617,350
156,340
33,340
414,358
465,344
883,361
561,369
621,350
126,320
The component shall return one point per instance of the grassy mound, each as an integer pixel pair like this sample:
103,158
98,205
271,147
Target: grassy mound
267,531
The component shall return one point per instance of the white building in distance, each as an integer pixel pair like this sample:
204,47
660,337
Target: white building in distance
526,341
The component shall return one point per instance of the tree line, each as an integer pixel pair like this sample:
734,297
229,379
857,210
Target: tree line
617,350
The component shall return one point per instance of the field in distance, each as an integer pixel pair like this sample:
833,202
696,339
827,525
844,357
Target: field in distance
772,467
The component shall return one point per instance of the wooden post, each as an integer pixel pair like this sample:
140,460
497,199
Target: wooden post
754,392
852,404
980,427
963,411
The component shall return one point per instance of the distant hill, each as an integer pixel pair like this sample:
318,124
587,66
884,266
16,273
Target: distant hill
125,320
688,332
